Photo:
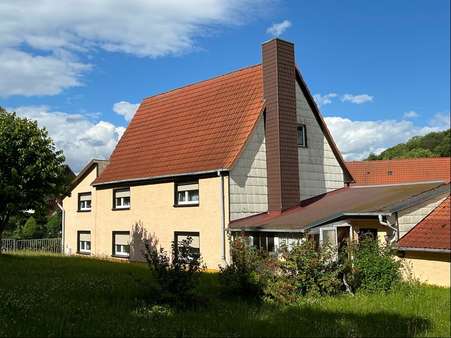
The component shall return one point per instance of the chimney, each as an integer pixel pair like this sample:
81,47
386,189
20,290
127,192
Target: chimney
281,124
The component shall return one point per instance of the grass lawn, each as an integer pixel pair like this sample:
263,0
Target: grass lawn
71,296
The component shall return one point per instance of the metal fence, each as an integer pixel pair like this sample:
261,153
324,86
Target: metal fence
52,245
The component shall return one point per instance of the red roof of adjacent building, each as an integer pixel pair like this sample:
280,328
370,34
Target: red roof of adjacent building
400,171
193,129
433,232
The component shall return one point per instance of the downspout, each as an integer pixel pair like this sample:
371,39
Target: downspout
387,224
222,208
63,221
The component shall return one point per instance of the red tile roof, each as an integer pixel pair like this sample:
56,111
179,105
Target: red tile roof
196,128
400,171
433,232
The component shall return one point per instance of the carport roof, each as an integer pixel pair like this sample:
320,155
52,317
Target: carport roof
354,201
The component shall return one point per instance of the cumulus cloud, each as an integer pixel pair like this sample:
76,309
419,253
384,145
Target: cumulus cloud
357,139
80,138
79,27
322,100
358,99
126,109
278,29
28,75
440,120
410,114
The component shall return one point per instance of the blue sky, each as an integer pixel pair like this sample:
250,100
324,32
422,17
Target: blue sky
380,70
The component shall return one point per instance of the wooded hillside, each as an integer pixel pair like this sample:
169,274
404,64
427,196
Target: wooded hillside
435,144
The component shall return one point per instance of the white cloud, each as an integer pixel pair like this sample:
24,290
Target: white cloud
60,29
358,99
126,109
357,139
28,75
278,29
80,138
410,114
440,120
322,100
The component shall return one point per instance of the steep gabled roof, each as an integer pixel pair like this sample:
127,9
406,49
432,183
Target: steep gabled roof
100,166
196,129
433,232
400,171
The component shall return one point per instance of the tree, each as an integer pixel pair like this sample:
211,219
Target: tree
30,228
31,169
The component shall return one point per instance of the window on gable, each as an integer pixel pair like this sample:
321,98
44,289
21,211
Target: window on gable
84,201
121,198
84,242
187,193
121,244
302,136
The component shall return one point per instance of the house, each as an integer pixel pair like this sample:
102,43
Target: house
425,238
245,152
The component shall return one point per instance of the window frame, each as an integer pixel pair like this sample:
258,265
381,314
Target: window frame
79,208
301,126
83,251
186,203
113,240
187,234
121,207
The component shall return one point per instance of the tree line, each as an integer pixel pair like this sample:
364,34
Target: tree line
435,144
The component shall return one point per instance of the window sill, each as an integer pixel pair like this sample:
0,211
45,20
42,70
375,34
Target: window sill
118,209
299,146
83,253
79,210
186,205
119,256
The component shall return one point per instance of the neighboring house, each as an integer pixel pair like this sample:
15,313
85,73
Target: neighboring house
427,246
246,152
424,229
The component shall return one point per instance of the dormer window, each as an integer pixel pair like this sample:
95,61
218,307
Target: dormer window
121,199
302,136
187,194
84,201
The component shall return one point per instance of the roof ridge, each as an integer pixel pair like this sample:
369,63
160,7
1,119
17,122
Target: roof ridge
400,159
201,81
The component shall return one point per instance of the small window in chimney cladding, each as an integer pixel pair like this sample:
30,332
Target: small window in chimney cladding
302,136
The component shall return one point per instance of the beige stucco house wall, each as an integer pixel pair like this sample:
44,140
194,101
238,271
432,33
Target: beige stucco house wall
430,268
79,221
152,205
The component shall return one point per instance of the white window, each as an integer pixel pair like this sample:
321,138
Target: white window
187,194
121,243
84,201
122,198
302,136
84,242
195,241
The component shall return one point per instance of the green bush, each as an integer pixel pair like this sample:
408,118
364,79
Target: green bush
305,271
177,276
248,270
375,267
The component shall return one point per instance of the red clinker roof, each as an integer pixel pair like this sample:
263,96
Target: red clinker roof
400,171
197,128
433,232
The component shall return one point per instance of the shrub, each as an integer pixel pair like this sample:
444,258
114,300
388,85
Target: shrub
248,270
375,267
176,277
305,271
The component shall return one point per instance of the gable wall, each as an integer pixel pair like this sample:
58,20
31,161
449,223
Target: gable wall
248,178
319,170
408,218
